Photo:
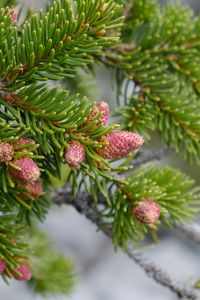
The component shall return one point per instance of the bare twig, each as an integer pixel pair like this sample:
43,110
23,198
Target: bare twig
146,155
84,205
191,231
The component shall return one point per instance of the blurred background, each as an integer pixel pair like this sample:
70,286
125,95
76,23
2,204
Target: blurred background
101,273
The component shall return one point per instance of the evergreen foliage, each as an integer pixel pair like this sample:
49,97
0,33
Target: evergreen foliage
159,53
171,189
155,54
52,271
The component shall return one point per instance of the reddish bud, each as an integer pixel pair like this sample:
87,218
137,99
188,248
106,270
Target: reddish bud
104,7
119,144
6,152
25,273
74,155
29,171
23,142
2,266
101,32
147,212
100,108
35,189
14,14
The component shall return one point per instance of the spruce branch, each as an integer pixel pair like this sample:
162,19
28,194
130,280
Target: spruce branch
42,127
157,55
13,245
84,204
172,190
54,43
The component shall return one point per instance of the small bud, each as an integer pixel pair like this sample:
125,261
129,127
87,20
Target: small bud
14,14
103,108
6,152
119,144
100,165
23,142
104,7
34,189
101,32
2,266
25,273
29,171
147,212
74,155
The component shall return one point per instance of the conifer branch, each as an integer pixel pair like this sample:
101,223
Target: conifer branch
155,53
42,127
146,155
84,204
54,43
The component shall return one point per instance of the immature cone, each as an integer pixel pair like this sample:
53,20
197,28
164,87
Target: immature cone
14,14
147,212
101,32
104,7
34,189
29,170
2,266
74,155
23,142
119,144
25,273
103,108
6,152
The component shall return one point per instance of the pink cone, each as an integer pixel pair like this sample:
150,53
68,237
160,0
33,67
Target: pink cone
6,152
14,14
147,212
119,144
103,108
74,155
35,189
2,266
23,142
104,7
29,170
25,273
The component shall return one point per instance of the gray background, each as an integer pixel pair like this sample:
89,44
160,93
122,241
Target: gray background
101,273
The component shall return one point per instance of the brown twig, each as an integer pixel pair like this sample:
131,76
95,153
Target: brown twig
146,155
84,204
192,231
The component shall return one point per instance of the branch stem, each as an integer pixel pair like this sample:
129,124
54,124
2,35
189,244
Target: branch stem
84,204
192,231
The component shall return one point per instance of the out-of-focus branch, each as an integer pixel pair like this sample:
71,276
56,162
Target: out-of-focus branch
84,204
191,231
146,155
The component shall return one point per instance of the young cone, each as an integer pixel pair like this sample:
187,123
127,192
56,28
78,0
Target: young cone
119,144
25,273
147,212
23,142
35,189
6,152
14,14
74,155
104,7
2,266
29,171
100,108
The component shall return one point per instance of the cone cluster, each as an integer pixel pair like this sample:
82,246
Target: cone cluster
26,172
118,143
